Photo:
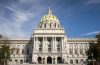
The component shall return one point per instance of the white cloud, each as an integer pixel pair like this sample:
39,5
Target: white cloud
20,16
90,33
13,27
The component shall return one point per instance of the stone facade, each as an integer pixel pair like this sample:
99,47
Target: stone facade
49,45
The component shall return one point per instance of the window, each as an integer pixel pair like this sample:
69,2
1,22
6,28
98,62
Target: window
27,51
76,50
21,61
23,51
49,49
55,25
81,51
50,25
58,47
40,49
70,51
76,61
10,60
71,61
81,61
44,25
16,60
58,25
17,51
26,60
12,50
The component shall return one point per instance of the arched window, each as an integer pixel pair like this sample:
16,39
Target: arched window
71,61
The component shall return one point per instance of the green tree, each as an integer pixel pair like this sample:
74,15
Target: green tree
4,51
98,47
94,50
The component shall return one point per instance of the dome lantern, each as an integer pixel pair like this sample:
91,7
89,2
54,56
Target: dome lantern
49,11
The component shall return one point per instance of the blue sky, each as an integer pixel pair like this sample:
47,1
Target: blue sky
80,18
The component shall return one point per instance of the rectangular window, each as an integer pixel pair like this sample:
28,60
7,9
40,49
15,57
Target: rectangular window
49,49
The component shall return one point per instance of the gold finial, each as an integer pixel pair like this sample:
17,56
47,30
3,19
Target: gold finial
49,11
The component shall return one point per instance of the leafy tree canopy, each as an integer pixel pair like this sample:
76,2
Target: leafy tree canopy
4,50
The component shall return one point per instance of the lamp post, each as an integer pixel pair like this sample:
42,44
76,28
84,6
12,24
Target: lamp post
92,59
5,59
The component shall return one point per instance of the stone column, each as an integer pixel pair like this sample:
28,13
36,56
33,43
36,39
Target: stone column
78,49
73,50
46,60
45,44
37,45
34,44
55,45
83,50
62,44
34,49
56,60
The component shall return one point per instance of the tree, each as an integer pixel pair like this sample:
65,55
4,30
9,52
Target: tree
4,50
93,52
98,47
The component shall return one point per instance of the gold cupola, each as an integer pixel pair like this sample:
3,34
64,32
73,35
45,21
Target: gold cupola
49,17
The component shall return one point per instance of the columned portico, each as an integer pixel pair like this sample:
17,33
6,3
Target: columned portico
48,40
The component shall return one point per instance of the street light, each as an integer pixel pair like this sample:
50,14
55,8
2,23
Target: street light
92,59
5,59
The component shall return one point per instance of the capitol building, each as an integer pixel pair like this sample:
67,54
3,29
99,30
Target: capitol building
49,44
